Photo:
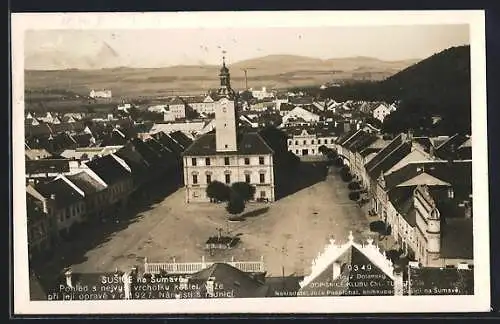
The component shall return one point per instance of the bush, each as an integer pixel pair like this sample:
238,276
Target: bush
323,149
354,195
346,176
354,186
345,168
235,205
338,162
377,226
218,191
244,190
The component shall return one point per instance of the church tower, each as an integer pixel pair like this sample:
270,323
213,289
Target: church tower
225,114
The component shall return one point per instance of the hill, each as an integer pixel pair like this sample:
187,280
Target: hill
274,71
436,86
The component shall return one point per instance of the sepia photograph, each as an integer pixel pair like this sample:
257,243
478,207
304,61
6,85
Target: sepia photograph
257,162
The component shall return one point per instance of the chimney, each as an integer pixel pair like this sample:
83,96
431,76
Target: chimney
69,280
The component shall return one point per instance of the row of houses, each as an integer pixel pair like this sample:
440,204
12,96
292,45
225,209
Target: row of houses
63,193
421,187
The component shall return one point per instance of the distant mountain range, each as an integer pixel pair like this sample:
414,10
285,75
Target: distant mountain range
54,69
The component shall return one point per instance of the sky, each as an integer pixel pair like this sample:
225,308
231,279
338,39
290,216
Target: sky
156,48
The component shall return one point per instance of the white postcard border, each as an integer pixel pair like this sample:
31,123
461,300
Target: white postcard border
475,18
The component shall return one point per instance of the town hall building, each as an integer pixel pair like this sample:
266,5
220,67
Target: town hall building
227,154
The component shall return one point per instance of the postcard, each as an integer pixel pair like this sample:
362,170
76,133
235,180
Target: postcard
250,162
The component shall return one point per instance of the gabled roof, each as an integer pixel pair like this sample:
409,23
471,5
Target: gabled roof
232,279
347,257
403,201
108,169
249,143
447,150
34,154
385,152
47,166
423,179
86,183
133,158
389,160
64,193
168,142
181,138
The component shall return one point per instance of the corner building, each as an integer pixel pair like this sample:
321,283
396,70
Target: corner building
228,155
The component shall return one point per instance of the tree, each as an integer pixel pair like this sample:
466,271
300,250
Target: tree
354,186
236,204
354,195
218,191
244,190
323,149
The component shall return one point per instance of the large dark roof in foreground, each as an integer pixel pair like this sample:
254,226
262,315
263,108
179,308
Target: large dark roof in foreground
248,144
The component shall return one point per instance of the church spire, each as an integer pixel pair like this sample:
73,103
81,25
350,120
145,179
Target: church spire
225,80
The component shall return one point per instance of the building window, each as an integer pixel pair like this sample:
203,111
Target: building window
195,194
319,141
296,151
193,161
312,141
207,161
304,142
226,161
247,178
195,179
209,178
296,142
331,141
312,151
289,142
261,160
228,178
262,178
247,161
262,194
225,145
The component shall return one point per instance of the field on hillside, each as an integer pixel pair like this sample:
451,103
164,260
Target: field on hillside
275,71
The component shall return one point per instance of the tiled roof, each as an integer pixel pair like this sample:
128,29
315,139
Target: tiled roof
47,166
168,142
362,142
232,279
181,138
425,143
389,160
86,183
447,150
249,143
402,200
345,136
35,154
35,130
64,194
108,169
385,152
